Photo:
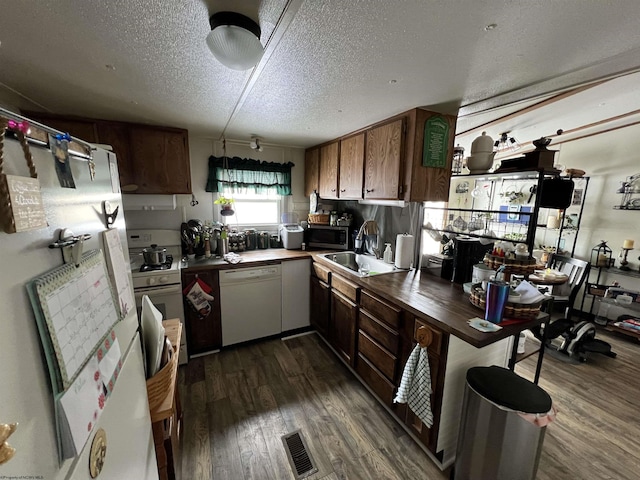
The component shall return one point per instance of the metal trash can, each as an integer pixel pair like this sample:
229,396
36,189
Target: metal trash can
497,440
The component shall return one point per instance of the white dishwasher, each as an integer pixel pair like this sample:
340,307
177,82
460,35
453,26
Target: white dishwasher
250,303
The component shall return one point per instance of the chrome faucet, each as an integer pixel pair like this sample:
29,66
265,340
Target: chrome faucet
367,238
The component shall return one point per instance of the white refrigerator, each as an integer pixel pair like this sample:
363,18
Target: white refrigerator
26,392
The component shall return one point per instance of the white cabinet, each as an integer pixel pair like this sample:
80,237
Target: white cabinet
295,294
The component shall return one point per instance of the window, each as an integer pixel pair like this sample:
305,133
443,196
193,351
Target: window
257,188
431,237
254,209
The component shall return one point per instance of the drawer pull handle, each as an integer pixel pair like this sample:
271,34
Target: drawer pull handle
424,336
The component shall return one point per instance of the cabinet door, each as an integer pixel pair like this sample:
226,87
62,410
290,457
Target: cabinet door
329,170
319,306
203,334
117,135
351,167
161,159
428,435
311,171
383,161
342,326
76,127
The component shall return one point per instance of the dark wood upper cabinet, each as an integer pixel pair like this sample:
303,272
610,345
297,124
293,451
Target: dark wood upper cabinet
393,166
84,129
384,161
311,171
151,159
157,158
329,170
351,166
117,135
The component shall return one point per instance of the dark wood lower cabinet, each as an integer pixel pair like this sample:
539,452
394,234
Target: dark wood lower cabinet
375,380
375,338
342,326
428,435
203,334
320,308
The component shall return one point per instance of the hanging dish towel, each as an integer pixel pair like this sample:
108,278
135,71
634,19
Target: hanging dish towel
198,298
415,387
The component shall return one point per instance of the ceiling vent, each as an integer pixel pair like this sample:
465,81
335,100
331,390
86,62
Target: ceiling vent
235,40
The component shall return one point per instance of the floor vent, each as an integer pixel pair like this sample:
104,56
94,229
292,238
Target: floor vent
299,457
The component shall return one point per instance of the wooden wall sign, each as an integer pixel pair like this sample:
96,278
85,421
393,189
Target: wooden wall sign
436,142
21,207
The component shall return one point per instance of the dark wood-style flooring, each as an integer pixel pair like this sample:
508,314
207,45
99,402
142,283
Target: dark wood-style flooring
239,402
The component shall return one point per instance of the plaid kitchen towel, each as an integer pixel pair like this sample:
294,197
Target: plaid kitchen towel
415,387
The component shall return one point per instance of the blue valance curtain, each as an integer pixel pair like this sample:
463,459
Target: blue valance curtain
244,175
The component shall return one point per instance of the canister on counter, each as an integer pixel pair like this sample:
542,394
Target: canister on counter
263,240
274,241
251,238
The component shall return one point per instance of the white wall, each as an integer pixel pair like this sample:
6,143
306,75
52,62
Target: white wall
200,149
608,159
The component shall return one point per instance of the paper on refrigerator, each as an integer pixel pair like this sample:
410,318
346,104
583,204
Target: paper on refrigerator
120,278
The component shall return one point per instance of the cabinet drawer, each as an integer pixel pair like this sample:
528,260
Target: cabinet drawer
321,272
379,331
345,287
375,380
383,310
377,355
436,343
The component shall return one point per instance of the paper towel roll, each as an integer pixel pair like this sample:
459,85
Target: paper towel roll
404,250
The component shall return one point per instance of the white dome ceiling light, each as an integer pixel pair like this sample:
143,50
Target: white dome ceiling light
235,40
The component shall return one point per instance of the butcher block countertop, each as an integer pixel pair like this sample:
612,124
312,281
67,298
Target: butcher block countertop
436,301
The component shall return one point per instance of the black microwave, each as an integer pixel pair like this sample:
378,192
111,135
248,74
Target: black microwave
324,236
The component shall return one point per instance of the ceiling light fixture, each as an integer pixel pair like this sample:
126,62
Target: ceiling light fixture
506,143
255,144
235,40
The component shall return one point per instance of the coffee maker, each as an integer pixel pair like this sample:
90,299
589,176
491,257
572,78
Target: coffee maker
467,252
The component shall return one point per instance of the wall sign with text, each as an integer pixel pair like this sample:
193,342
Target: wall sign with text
436,142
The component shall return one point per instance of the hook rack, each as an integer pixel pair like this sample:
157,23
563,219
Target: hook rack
70,245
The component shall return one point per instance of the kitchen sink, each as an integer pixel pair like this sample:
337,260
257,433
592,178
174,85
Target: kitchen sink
365,265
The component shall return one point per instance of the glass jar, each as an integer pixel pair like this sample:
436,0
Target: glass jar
251,238
263,240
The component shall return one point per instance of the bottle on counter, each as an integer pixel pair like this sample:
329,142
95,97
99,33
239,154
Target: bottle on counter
388,254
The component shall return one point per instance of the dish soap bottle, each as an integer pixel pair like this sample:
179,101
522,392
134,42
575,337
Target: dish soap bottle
388,255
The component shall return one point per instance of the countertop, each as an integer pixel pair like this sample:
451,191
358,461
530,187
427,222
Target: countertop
252,258
434,300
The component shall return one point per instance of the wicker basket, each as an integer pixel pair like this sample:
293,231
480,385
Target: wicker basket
319,218
512,266
159,386
518,311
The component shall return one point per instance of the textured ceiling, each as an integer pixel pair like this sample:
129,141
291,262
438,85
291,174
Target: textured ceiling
330,67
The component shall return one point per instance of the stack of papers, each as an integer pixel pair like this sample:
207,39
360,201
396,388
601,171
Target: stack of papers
529,293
